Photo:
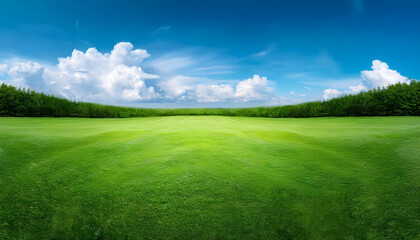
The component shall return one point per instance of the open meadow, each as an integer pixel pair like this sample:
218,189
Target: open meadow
209,177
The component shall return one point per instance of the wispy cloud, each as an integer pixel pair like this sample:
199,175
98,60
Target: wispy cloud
127,75
266,51
298,75
117,77
169,63
334,83
212,70
191,62
294,66
326,61
218,67
160,29
3,68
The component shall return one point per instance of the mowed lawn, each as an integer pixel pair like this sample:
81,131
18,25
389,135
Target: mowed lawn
210,177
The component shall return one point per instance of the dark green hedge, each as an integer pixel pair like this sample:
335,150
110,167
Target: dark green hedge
395,100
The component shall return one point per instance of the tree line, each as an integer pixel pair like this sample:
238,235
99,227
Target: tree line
394,100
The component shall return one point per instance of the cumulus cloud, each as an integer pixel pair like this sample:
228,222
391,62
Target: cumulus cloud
331,93
214,93
26,75
25,68
116,77
177,86
380,76
102,76
186,88
252,89
357,89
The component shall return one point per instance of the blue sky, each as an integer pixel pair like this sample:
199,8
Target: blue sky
208,53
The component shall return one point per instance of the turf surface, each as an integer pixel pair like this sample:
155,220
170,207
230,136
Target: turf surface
209,177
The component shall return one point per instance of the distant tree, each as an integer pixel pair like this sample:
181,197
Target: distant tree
398,99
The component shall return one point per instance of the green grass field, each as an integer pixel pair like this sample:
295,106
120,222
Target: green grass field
209,177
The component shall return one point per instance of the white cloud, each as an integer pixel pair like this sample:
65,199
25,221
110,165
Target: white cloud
26,68
184,87
3,68
357,89
331,93
326,61
171,64
252,89
298,75
27,75
161,29
266,51
212,70
277,100
214,93
123,54
129,80
263,53
193,89
177,86
116,77
340,83
107,77
381,76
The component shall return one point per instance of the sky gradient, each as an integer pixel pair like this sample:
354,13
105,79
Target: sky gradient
208,53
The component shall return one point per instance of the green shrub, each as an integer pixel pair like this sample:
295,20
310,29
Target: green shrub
395,100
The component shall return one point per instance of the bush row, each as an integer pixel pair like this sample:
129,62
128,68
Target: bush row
395,100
